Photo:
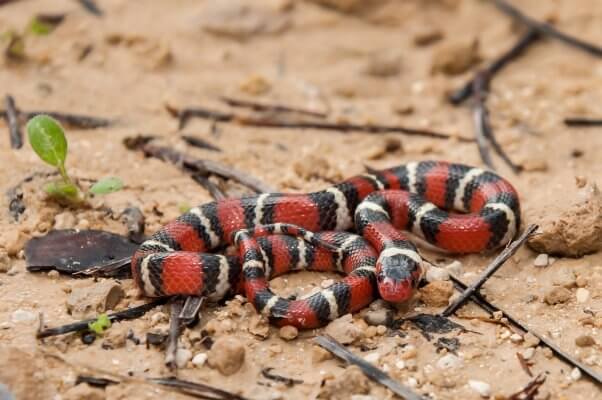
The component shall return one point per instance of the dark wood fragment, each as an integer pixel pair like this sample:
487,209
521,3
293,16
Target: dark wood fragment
12,120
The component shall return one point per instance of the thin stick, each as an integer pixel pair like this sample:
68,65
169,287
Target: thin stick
194,165
200,143
368,369
490,270
76,121
211,187
130,313
175,328
491,308
497,65
529,391
255,106
187,113
12,120
267,374
91,7
584,122
524,364
483,131
547,29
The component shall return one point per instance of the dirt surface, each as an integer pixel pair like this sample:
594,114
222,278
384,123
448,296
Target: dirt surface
385,62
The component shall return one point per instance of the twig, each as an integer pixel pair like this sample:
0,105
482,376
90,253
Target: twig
211,187
368,369
529,391
76,121
577,121
194,165
191,309
130,313
255,106
547,29
524,364
91,7
483,132
175,328
199,390
185,114
12,120
504,59
491,308
200,143
94,381
490,270
279,378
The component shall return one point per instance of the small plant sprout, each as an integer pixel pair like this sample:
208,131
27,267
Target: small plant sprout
48,140
101,324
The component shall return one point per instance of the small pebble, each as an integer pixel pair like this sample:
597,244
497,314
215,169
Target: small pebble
581,281
378,317
449,361
582,295
288,332
436,274
516,338
541,260
227,355
23,316
548,353
437,293
455,268
482,388
158,318
343,329
14,270
53,274
409,353
400,364
372,358
530,340
199,359
585,341
576,374
381,330
528,353
182,357
4,261
557,295
319,354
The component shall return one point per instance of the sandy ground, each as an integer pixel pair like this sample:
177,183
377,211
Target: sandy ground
147,54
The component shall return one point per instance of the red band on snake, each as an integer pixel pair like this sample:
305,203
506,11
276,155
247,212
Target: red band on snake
274,234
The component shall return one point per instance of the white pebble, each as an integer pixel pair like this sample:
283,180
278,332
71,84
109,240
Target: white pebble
326,283
482,388
23,316
582,295
436,274
576,374
199,359
362,397
182,357
158,317
541,260
528,353
516,338
412,382
455,268
449,361
400,364
372,358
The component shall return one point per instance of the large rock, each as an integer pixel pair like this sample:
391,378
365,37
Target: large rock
89,301
227,355
572,231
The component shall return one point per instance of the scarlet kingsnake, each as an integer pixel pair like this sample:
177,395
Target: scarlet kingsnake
274,234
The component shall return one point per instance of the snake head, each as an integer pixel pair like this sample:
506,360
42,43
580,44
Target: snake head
397,276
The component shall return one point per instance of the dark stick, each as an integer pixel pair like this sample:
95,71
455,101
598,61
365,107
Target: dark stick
130,313
199,390
483,131
266,372
96,382
91,7
529,391
175,328
73,120
491,308
190,310
585,122
211,187
547,29
527,39
368,369
12,120
490,270
185,114
200,143
195,166
255,106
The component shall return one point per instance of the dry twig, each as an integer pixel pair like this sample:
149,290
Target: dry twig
582,122
490,270
529,391
12,120
277,108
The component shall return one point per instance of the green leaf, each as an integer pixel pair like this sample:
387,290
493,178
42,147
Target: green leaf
184,207
47,139
62,189
101,324
40,28
107,185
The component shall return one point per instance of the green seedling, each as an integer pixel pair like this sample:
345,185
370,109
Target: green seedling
48,140
39,28
101,324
